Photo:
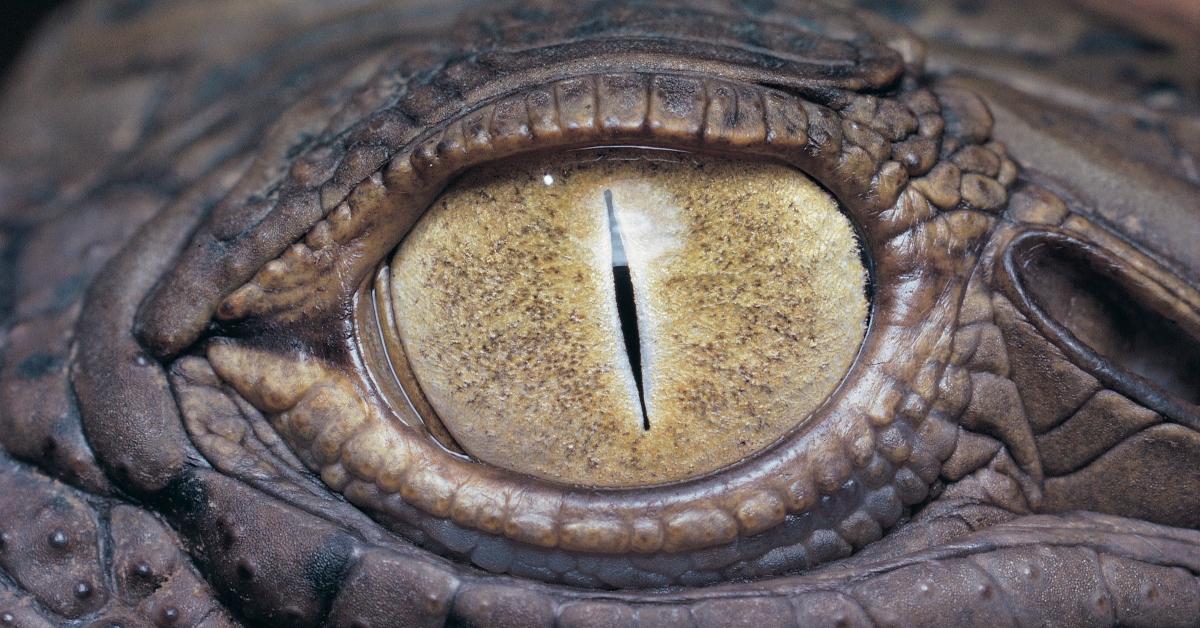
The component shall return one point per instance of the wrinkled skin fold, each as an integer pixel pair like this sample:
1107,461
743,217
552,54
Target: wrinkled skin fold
201,424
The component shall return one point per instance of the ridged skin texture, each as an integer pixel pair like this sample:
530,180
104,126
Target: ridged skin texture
201,424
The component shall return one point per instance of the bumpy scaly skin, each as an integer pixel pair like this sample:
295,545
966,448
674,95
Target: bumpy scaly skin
187,343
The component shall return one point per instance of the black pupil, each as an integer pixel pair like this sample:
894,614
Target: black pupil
626,307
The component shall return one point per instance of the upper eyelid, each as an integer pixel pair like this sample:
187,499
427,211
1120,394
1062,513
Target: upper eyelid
591,110
224,256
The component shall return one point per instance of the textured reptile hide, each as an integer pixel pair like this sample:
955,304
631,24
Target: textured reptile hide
196,199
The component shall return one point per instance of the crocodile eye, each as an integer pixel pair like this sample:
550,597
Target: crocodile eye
619,317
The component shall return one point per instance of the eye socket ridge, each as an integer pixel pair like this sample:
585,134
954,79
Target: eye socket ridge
702,115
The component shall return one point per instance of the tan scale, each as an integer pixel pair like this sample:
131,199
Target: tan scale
750,302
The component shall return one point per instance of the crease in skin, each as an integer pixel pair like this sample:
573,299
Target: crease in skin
749,296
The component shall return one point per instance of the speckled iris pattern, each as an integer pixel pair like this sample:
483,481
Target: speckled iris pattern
747,289
313,315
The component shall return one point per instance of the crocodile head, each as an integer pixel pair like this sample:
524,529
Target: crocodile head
603,313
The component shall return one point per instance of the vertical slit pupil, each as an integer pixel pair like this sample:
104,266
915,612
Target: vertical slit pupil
626,307
628,313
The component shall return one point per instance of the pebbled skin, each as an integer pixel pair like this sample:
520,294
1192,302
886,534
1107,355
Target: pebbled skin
175,181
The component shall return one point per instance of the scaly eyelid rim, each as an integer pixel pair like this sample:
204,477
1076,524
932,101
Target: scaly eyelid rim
874,421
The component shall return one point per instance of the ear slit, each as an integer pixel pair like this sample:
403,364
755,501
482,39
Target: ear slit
1112,319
